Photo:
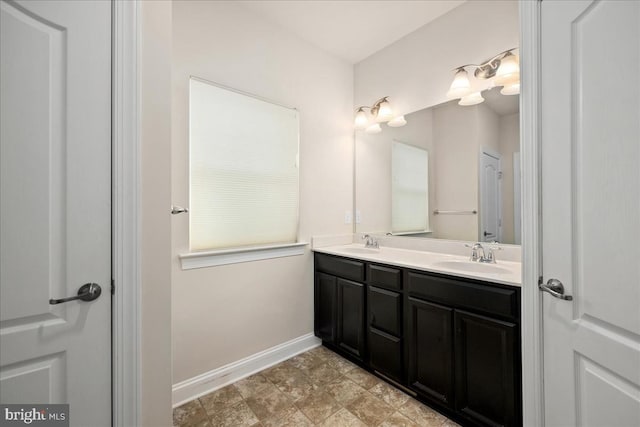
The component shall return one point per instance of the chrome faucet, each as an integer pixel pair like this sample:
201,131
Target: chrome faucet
370,242
480,253
475,257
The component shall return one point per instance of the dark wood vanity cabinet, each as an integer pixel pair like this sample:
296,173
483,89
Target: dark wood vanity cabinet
350,317
325,304
430,350
385,320
486,359
454,342
339,304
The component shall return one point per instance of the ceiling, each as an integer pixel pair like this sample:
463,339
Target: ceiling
501,104
351,30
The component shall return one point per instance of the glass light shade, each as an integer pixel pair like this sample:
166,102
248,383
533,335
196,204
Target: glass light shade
472,99
374,128
384,113
509,71
397,122
361,120
460,86
512,89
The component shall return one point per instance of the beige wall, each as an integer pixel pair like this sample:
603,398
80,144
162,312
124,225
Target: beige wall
416,71
155,135
456,136
488,123
509,140
223,314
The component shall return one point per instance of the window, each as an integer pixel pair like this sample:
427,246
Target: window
243,170
409,189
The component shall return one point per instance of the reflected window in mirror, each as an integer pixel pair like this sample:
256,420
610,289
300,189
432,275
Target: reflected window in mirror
409,189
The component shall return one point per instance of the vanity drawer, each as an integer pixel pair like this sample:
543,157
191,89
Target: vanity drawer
459,293
385,277
385,310
341,267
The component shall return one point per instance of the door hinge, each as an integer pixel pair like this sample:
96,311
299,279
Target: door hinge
500,175
113,287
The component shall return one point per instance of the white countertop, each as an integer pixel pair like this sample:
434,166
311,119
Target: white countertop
503,272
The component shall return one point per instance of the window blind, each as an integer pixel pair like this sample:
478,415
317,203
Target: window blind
409,188
243,169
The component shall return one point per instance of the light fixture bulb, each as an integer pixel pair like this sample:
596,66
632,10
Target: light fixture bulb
460,86
361,121
512,89
397,122
509,71
384,112
471,99
374,128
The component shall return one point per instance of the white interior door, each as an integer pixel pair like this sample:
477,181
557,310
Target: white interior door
490,206
517,199
55,194
591,211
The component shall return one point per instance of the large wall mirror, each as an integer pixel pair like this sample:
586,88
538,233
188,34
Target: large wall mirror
452,172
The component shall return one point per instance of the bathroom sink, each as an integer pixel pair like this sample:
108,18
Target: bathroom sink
362,250
471,267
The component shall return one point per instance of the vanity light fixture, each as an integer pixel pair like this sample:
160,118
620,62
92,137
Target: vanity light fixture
471,99
362,121
397,122
374,128
502,70
460,87
380,112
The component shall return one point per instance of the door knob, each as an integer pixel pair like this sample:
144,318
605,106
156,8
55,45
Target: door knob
87,292
175,210
555,288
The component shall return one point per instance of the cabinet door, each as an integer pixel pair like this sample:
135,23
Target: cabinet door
351,318
430,350
385,310
385,354
487,388
325,307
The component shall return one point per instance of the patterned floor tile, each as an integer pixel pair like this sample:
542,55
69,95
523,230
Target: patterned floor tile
318,387
344,391
239,415
363,378
371,410
189,414
343,418
318,406
268,405
220,399
389,394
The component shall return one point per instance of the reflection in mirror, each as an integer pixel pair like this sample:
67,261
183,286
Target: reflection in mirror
471,171
409,189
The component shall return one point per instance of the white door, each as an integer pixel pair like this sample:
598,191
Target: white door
591,211
55,192
490,206
517,200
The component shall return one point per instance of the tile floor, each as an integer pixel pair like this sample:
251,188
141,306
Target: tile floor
316,388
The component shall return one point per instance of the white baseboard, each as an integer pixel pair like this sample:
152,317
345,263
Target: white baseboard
202,384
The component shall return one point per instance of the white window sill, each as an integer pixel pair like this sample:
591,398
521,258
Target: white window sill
233,256
409,233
